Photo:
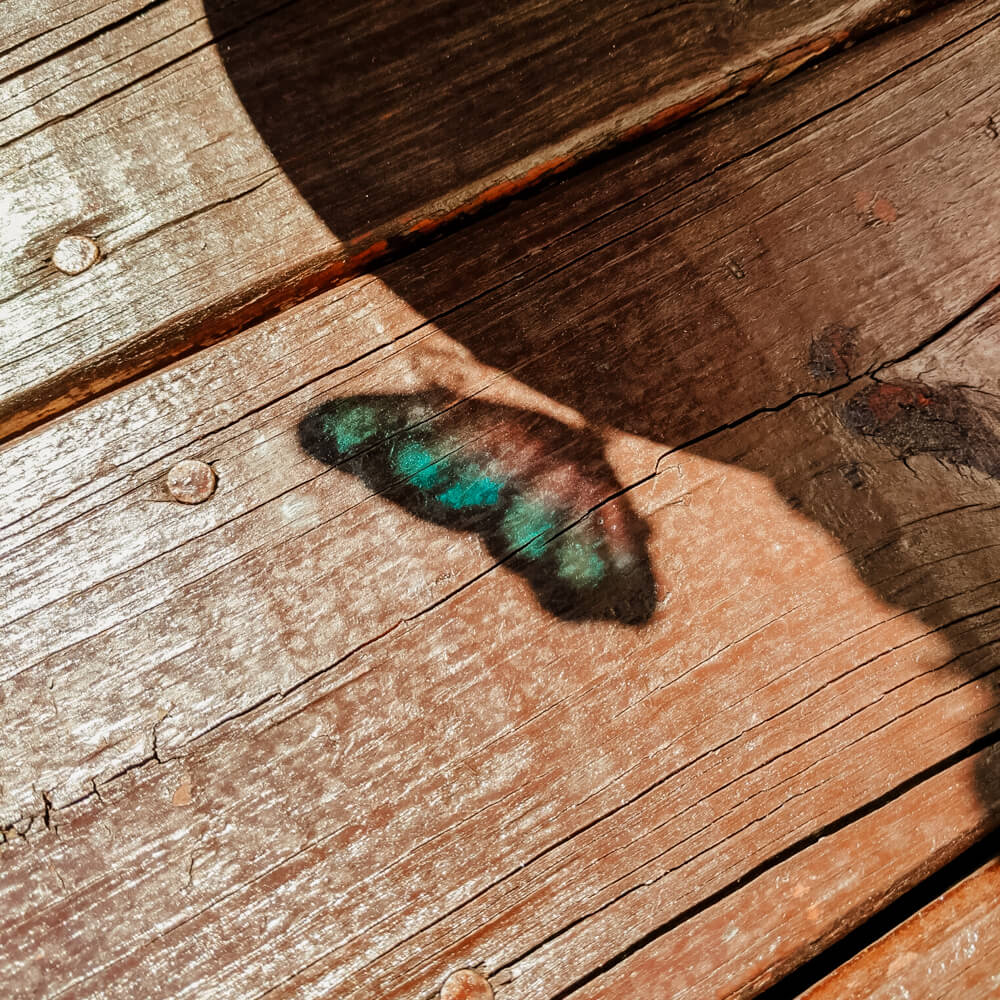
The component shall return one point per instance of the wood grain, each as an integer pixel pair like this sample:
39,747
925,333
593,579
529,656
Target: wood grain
213,205
746,941
951,948
596,782
34,31
135,610
665,168
322,747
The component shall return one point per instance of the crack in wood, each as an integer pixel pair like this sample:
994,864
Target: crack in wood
761,411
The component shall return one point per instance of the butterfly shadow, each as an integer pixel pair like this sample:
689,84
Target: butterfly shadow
904,473
539,493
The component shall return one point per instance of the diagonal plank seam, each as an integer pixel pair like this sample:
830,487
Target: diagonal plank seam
188,442
797,397
671,193
726,873
863,810
311,279
872,806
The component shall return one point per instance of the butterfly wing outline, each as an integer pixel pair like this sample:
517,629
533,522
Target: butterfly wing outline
539,493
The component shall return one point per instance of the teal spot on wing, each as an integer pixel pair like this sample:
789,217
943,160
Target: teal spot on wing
418,465
579,563
525,525
470,487
351,427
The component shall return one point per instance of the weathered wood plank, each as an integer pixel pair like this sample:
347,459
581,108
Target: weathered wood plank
950,949
703,147
371,754
577,772
139,140
587,902
651,266
917,554
748,940
35,31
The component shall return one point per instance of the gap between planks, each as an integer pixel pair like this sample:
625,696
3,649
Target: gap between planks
949,950
176,278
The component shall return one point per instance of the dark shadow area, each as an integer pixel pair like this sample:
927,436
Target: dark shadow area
525,483
906,477
378,109
368,122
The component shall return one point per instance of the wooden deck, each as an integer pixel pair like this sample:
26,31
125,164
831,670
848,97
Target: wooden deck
950,948
600,587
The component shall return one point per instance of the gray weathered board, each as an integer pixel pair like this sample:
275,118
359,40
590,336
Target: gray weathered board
297,741
222,182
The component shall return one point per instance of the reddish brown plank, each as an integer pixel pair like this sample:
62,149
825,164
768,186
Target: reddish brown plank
743,943
139,140
608,776
950,949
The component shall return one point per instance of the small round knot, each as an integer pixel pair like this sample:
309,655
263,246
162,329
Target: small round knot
74,254
191,481
466,984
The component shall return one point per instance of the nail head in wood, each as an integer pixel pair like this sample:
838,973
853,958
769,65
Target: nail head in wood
191,481
74,254
466,985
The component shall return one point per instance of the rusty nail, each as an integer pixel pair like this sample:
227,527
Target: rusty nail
466,984
191,481
74,254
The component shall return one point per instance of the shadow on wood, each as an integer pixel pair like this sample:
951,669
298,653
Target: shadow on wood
390,117
540,494
865,452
